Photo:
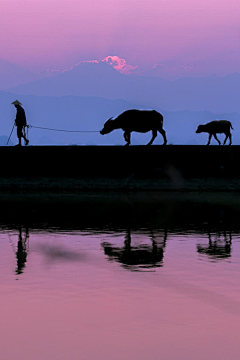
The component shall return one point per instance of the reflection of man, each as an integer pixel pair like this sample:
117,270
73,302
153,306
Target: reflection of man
20,122
21,253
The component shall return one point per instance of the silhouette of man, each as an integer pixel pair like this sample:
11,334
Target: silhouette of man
20,123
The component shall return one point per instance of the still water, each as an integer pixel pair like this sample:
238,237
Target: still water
120,276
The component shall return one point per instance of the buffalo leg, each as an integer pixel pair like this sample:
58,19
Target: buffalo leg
127,138
154,135
225,139
163,133
215,137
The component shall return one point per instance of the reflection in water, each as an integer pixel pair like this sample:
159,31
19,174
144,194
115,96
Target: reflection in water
139,256
85,292
159,215
21,254
55,253
217,248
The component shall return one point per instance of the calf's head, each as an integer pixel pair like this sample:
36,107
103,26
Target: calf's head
200,129
108,127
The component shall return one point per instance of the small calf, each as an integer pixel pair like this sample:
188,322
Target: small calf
217,127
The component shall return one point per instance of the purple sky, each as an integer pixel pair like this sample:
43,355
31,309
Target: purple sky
176,38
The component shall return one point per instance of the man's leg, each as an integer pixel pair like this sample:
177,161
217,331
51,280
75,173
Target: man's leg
19,135
24,137
26,140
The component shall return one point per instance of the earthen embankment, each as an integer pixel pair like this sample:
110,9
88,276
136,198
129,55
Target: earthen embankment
178,167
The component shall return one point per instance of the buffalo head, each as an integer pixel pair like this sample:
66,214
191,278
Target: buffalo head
108,127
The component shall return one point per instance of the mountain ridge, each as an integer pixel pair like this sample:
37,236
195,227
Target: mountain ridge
212,93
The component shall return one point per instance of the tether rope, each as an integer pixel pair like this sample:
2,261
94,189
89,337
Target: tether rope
75,131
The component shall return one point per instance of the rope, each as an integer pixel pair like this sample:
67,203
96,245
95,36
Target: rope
75,131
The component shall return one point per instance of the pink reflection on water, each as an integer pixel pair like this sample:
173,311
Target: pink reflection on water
72,303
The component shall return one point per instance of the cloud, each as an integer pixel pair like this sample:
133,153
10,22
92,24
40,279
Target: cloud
119,64
57,72
114,61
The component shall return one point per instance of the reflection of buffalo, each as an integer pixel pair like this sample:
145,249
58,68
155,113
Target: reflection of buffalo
139,257
217,249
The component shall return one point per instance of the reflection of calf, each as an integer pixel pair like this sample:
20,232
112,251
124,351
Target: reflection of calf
136,257
217,127
216,249
136,120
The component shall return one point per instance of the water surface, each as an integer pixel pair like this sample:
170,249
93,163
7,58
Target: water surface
113,276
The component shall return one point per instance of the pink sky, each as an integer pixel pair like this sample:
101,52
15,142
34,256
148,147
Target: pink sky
186,36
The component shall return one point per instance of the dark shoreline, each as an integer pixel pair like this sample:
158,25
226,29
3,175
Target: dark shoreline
91,211
128,184
118,197
120,168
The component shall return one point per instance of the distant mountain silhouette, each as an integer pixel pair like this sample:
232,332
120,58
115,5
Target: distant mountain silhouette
14,75
86,79
212,93
90,113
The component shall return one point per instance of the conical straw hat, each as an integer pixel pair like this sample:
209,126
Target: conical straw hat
16,102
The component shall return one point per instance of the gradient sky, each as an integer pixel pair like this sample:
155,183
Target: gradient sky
191,36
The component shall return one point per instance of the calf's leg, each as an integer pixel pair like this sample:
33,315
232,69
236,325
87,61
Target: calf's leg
228,135
215,137
209,139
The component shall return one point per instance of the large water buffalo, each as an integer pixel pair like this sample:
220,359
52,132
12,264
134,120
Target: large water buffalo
217,127
136,120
